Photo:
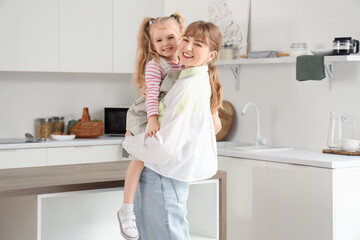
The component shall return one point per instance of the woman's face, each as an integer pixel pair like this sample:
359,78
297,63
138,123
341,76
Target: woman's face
194,52
166,41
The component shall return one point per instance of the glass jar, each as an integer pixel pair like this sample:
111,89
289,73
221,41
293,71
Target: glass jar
58,124
298,49
226,52
44,128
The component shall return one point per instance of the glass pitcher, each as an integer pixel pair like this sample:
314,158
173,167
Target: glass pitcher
336,130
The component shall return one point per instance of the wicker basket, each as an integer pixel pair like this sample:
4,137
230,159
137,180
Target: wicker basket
87,129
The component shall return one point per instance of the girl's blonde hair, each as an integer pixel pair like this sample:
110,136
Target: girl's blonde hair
209,34
145,47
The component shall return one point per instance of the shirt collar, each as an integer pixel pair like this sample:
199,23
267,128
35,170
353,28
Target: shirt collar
193,71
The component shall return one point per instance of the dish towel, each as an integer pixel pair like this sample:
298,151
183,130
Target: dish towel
310,67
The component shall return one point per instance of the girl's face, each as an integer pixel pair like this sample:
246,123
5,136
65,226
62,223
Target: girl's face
166,41
194,52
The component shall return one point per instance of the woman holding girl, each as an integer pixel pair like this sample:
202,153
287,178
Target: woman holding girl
184,148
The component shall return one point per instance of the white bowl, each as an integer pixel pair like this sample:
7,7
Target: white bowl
350,145
322,51
63,137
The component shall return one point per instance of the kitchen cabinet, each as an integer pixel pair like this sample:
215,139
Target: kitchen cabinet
128,16
83,154
72,35
29,35
85,29
299,202
281,201
246,198
18,158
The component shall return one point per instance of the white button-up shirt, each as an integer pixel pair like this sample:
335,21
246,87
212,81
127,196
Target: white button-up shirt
185,146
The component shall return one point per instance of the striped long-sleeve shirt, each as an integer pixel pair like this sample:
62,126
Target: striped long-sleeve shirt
154,75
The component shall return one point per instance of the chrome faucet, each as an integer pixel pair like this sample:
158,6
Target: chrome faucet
260,140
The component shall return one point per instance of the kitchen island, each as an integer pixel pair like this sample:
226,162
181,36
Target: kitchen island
63,199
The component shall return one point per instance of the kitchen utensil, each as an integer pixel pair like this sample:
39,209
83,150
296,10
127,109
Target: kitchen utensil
31,138
336,128
226,115
345,46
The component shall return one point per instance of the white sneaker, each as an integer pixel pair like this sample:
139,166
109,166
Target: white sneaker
128,225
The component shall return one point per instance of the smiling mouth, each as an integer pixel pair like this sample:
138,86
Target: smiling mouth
167,49
187,55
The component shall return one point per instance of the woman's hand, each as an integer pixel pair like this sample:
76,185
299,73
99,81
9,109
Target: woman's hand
153,126
217,122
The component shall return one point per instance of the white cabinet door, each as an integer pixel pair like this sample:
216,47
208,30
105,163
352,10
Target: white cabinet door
19,158
85,35
29,35
299,202
83,154
81,215
246,198
128,16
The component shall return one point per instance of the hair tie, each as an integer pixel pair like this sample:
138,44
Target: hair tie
151,21
173,16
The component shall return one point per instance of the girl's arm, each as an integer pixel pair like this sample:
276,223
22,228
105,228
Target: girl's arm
153,73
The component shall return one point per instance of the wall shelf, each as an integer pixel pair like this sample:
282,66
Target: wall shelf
328,61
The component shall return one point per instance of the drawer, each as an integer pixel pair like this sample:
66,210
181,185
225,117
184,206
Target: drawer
83,154
18,158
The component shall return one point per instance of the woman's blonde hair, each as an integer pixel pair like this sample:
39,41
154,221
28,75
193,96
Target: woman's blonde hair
210,34
145,48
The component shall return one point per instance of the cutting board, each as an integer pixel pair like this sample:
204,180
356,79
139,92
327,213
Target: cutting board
226,115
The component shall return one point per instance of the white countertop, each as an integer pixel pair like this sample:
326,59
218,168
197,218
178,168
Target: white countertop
314,158
103,140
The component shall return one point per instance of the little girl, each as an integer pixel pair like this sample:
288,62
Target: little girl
184,148
156,66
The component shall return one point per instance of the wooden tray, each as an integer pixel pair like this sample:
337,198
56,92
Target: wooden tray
341,152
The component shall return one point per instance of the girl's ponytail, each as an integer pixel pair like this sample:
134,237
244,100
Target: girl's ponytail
143,49
180,20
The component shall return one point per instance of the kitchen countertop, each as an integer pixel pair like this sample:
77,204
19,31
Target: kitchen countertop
313,158
103,140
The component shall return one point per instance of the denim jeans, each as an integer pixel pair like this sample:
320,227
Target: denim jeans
160,207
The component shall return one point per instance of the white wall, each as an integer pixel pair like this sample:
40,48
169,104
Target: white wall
26,96
294,113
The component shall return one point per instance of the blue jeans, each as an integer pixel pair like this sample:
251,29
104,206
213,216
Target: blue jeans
160,207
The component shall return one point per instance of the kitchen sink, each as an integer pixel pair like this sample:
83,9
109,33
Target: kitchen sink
237,146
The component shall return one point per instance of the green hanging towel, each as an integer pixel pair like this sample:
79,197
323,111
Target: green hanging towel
310,67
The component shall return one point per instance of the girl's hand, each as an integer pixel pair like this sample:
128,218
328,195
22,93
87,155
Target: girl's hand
143,91
128,133
217,122
153,126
